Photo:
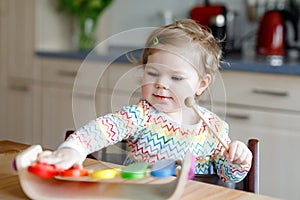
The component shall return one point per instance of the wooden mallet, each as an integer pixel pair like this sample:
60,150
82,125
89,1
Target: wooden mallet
190,102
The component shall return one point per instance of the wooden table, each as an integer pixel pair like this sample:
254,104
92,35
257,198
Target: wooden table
10,187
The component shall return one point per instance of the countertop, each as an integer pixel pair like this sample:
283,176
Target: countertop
232,61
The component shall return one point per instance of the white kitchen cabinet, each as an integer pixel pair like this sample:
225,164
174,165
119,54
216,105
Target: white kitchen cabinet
21,37
3,64
274,91
20,92
23,111
264,106
57,79
3,33
64,107
56,115
2,111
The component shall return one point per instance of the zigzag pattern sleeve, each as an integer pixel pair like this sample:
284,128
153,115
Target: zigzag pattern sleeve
106,130
226,170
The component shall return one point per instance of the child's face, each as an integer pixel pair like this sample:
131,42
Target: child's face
169,79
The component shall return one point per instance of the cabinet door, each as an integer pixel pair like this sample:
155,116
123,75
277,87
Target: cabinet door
20,26
23,112
87,106
3,64
2,111
57,115
279,145
63,110
3,39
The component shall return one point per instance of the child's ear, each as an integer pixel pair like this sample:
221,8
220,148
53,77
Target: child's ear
204,83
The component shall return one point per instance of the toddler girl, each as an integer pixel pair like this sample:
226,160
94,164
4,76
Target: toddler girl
180,61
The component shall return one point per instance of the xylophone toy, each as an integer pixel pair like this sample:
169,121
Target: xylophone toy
136,181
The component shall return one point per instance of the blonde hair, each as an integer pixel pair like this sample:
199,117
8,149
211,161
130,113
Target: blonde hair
188,39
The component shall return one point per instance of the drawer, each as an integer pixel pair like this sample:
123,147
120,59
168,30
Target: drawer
59,71
256,89
66,71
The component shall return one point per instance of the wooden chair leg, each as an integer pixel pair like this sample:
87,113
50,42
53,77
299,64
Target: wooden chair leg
252,182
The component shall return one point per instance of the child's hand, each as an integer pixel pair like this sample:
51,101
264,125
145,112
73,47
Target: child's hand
239,153
63,158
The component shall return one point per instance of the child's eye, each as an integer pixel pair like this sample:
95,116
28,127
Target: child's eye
152,74
177,78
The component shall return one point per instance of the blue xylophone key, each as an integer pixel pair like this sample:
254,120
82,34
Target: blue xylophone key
163,168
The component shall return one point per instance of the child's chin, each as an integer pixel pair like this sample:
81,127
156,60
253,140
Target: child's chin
166,109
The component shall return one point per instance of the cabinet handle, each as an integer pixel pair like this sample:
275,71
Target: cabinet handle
238,116
84,96
270,92
21,88
67,73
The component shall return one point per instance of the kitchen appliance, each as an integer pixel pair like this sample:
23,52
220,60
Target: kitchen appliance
272,37
212,16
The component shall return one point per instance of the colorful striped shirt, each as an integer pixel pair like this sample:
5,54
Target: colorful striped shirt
153,136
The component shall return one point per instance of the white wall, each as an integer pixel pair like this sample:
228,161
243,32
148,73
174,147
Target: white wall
54,29
142,13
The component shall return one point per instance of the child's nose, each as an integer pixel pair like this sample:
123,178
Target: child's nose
162,83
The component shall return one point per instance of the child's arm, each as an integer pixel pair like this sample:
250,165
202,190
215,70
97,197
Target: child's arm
94,136
91,137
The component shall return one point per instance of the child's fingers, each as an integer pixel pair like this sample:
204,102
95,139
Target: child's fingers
239,153
232,151
66,164
240,157
49,158
63,165
77,166
44,154
248,158
63,158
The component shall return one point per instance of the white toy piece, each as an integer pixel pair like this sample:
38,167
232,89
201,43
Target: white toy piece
54,189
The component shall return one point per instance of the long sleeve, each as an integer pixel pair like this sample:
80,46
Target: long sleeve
106,130
153,136
228,171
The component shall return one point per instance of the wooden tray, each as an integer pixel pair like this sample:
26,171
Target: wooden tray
54,189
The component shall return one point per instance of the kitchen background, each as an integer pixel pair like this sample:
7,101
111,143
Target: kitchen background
38,65
120,17
125,15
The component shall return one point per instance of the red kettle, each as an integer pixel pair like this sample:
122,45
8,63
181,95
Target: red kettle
272,33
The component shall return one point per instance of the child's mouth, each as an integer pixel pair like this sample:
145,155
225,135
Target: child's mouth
161,97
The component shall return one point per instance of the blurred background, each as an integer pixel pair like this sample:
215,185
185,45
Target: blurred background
43,43
242,19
